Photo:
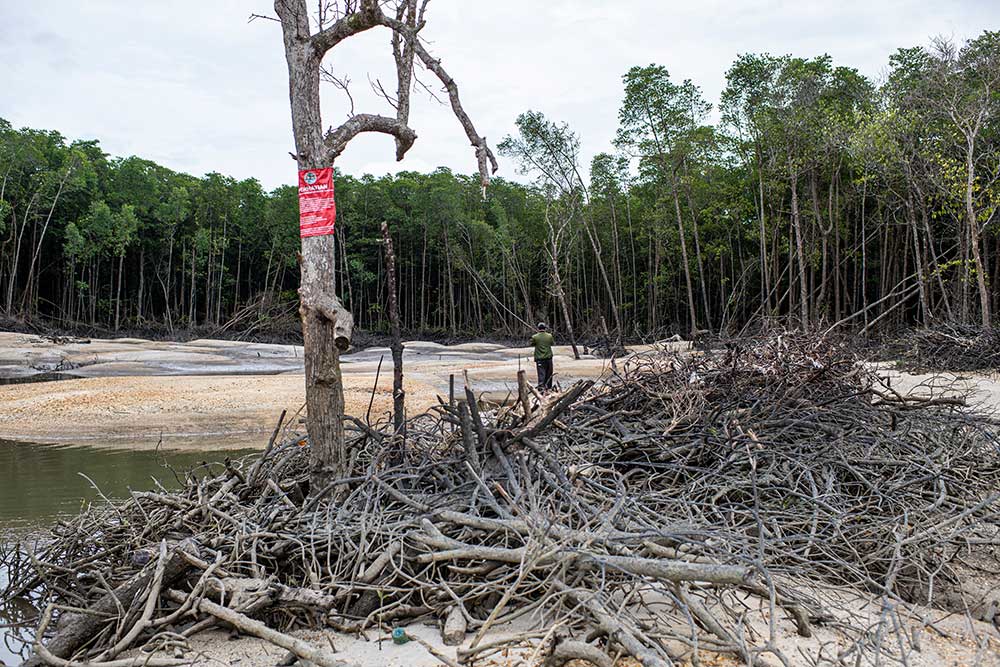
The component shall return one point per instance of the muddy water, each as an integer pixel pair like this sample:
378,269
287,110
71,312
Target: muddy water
12,635
41,483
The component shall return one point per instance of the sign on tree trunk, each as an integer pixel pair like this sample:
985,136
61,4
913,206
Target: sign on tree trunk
326,324
317,209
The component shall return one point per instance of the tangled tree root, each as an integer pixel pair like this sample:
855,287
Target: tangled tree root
639,516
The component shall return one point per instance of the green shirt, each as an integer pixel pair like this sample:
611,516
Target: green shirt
543,341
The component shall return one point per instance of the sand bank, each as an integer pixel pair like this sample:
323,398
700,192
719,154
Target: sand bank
226,394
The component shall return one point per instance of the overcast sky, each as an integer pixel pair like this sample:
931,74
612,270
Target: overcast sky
194,86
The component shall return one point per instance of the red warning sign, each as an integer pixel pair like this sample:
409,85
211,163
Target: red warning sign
317,209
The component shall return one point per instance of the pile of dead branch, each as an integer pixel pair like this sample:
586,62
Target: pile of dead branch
684,504
950,347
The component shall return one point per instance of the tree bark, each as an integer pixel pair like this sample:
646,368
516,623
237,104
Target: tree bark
326,324
970,214
684,260
800,252
398,393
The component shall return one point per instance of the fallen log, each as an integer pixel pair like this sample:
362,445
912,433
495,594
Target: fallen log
565,651
304,650
76,629
546,416
47,658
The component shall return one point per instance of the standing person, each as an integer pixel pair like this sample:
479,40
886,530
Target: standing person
542,342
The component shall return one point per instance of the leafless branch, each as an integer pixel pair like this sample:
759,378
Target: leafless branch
380,90
336,139
342,83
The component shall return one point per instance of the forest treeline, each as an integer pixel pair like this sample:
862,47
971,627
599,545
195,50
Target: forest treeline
811,193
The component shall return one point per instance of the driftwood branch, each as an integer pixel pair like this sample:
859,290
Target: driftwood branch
302,649
659,508
76,629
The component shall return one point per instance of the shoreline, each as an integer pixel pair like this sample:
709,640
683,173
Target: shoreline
211,394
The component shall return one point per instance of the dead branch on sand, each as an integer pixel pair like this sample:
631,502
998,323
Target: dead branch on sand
648,515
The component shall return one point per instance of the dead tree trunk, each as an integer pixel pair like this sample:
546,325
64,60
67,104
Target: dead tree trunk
326,324
398,393
324,319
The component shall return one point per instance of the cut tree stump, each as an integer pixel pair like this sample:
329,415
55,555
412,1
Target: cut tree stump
454,627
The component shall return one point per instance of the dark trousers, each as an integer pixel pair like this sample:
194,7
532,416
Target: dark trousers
544,368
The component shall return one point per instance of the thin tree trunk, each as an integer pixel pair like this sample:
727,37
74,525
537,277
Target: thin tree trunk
191,297
911,215
222,273
398,393
596,247
765,272
118,290
800,253
973,223
697,245
560,295
45,227
239,270
684,261
423,282
453,325
142,282
15,263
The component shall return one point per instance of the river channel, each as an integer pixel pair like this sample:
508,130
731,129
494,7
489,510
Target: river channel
41,483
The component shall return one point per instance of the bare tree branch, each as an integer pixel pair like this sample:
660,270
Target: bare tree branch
402,53
380,90
343,83
484,156
254,17
405,25
427,89
365,17
336,139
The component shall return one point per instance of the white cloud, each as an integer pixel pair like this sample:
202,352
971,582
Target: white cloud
193,85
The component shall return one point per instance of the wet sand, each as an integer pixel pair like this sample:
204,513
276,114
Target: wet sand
952,641
130,393
189,411
135,394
